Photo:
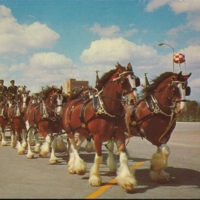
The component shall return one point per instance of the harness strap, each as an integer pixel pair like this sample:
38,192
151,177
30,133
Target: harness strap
70,114
81,117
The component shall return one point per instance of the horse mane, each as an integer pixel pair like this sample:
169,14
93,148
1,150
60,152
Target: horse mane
106,76
75,93
46,91
154,83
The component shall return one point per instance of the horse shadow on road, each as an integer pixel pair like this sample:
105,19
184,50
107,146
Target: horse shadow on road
178,176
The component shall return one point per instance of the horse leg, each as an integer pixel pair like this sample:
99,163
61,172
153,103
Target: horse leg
89,147
13,142
125,174
75,163
79,141
45,148
95,179
159,163
53,159
37,143
20,148
111,161
60,145
3,141
24,143
30,154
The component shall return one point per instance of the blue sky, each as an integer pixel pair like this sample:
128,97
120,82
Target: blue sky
45,42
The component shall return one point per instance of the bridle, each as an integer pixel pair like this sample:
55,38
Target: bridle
122,77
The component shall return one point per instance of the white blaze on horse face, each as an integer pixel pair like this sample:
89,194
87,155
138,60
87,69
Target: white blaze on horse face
181,107
59,107
133,85
24,98
17,111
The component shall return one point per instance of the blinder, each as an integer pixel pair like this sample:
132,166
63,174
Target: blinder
187,91
137,81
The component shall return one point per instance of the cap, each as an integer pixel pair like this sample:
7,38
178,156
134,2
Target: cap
12,81
1,81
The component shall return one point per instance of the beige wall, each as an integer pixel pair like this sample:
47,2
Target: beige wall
70,84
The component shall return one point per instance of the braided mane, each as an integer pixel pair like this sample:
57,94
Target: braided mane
106,76
154,83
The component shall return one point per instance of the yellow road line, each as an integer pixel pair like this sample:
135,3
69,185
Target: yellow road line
108,185
192,133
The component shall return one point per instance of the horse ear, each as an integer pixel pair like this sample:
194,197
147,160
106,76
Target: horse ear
185,77
129,67
179,74
61,88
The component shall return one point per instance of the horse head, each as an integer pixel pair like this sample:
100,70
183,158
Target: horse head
128,82
9,100
168,91
24,98
114,86
181,90
56,99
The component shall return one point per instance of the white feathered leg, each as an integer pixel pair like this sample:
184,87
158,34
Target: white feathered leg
37,143
89,147
30,154
159,163
3,141
20,148
75,164
60,145
13,142
111,161
95,179
53,159
125,174
45,148
24,142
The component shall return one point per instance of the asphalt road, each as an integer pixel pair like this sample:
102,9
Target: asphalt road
36,178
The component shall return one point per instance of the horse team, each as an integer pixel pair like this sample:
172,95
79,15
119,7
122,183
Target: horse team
110,111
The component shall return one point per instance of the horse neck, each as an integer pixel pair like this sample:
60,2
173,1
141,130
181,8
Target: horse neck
111,97
162,96
49,105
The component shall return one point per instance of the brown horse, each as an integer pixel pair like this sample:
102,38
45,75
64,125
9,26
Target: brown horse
154,118
17,124
101,119
5,102
45,118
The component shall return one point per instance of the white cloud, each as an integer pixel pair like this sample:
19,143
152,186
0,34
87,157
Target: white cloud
111,31
185,6
19,39
155,4
104,32
48,61
195,83
110,51
192,57
191,7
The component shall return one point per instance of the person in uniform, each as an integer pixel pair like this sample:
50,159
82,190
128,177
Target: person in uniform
3,91
3,88
12,89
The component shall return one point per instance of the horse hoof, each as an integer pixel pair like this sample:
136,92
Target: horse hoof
95,181
21,152
43,155
53,161
71,171
80,172
128,188
30,156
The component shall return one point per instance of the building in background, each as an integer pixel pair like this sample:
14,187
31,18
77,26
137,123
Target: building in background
71,83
